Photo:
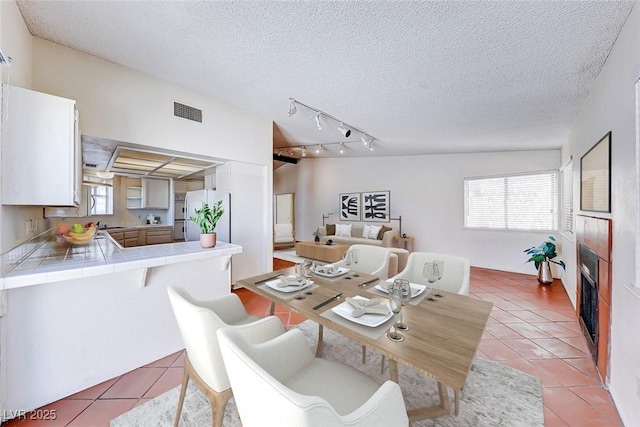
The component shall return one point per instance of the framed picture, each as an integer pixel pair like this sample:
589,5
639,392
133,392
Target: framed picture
375,206
595,177
349,207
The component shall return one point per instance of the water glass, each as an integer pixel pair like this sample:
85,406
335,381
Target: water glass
430,272
299,269
440,264
395,302
348,257
355,253
406,297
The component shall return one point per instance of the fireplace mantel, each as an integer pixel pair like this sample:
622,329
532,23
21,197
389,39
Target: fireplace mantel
595,234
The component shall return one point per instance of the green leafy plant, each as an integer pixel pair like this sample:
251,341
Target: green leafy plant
207,217
545,252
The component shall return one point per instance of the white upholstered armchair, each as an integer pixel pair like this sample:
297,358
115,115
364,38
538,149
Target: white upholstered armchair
198,322
371,260
457,271
280,383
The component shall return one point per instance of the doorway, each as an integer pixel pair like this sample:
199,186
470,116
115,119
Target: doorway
284,221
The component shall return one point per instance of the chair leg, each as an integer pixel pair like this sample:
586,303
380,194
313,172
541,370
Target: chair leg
382,365
218,406
364,355
320,342
183,390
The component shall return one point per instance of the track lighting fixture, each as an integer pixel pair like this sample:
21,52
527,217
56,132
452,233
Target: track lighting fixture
279,152
341,147
344,131
290,151
292,107
303,151
320,149
343,128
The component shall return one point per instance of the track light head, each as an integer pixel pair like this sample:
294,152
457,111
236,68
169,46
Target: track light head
292,107
318,121
303,151
341,147
344,130
290,151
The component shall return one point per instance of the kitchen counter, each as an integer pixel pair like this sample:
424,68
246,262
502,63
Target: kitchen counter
77,316
45,260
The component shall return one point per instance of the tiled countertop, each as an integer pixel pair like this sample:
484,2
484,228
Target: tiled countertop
45,260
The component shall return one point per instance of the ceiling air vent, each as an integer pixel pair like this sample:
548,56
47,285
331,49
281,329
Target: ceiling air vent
187,112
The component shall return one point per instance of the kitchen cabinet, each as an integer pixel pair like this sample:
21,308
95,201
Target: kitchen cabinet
41,154
134,198
156,193
210,181
157,235
142,236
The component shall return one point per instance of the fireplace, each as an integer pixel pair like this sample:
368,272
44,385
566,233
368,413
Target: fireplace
593,287
589,296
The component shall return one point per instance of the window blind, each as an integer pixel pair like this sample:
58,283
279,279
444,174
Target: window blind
513,202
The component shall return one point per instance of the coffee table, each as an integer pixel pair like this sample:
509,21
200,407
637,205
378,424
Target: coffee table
443,338
321,251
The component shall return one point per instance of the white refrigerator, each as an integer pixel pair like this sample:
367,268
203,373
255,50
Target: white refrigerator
193,201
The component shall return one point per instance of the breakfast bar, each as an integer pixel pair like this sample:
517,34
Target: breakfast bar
77,315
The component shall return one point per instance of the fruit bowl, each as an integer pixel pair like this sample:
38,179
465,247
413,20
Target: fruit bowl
83,238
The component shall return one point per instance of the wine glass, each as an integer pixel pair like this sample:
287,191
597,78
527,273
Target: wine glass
299,269
430,272
355,253
395,302
440,264
406,297
308,269
348,257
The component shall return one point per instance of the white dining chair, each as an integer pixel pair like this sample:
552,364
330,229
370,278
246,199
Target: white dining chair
198,322
457,271
372,260
280,383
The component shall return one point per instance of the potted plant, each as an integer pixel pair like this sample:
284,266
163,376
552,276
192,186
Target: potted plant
541,256
207,218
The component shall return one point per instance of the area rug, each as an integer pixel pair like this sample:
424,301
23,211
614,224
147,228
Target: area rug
288,255
494,395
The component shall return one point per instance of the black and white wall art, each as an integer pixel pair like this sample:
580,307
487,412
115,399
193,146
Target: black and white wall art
350,207
376,206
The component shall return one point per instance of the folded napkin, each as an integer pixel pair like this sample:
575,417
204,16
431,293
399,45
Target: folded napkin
363,306
326,269
288,281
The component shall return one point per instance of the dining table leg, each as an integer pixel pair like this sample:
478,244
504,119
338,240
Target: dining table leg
272,308
456,394
393,370
433,411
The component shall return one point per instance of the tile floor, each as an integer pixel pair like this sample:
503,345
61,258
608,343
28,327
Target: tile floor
532,328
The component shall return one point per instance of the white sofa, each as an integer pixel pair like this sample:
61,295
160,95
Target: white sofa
356,236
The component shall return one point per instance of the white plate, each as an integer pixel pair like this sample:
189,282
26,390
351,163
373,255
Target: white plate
416,289
339,272
372,320
273,284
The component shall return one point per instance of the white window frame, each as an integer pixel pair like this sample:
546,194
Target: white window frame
506,176
566,224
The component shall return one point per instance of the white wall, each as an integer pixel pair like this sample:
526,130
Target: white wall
15,41
428,192
611,107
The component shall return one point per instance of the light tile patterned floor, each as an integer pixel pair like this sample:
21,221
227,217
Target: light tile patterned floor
532,328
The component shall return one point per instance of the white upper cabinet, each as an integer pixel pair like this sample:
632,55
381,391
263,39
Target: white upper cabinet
41,157
156,193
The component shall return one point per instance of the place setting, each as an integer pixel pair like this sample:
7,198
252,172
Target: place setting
291,286
368,316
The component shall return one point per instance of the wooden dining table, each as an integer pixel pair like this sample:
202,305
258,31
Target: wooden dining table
441,342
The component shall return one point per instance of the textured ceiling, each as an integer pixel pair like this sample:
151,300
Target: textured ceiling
419,77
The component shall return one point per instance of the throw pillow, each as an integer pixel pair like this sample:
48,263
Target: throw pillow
343,230
383,230
331,229
366,231
374,231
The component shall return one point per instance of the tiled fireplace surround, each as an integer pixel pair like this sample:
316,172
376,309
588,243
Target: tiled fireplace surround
594,234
